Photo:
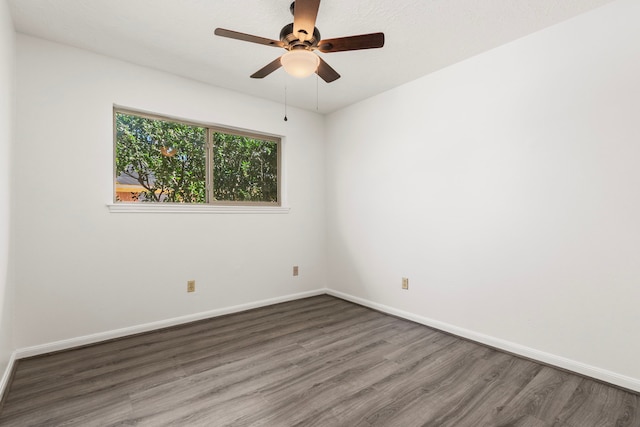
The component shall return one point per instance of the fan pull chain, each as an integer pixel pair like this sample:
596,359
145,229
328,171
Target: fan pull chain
285,103
317,79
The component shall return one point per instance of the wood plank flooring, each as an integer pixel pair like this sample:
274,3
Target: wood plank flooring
318,361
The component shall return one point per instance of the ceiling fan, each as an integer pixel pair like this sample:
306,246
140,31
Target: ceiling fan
300,39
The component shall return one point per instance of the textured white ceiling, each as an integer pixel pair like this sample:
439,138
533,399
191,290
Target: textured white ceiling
422,36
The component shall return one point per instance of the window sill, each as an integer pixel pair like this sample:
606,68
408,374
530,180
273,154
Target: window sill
207,209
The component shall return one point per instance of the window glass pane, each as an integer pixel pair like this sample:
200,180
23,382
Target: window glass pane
159,161
244,169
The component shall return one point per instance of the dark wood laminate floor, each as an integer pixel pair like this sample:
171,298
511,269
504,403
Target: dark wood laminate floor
318,361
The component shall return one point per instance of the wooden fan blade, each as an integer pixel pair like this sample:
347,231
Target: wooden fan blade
341,44
247,37
267,69
304,18
327,73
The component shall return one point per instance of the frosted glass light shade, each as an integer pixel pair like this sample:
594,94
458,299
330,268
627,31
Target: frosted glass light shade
300,63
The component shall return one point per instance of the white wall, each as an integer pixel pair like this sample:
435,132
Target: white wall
6,103
506,188
83,270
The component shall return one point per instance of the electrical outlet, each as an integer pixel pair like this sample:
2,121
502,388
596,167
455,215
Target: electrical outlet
191,286
295,270
405,283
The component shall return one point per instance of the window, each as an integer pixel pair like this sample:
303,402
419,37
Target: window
162,160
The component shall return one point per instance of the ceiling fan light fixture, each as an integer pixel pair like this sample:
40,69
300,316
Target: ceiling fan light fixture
300,63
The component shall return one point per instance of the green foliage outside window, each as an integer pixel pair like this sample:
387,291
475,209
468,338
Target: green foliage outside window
164,161
166,158
244,168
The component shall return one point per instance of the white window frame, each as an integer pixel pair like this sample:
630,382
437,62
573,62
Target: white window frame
211,206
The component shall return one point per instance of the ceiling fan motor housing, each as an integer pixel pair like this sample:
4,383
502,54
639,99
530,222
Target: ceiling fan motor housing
291,40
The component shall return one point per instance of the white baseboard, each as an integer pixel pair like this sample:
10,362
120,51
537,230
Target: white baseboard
530,353
4,382
132,330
